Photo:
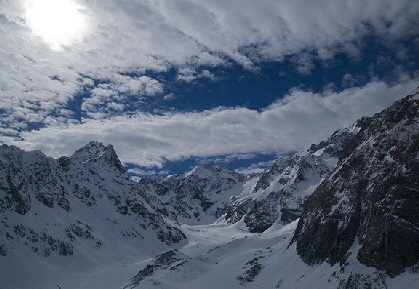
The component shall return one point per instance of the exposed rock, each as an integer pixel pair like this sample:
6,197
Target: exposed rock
281,190
372,197
336,143
279,193
361,281
166,260
253,268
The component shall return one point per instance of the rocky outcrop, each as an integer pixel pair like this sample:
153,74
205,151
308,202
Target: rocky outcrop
166,261
371,200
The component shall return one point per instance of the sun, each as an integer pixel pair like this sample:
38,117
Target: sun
58,22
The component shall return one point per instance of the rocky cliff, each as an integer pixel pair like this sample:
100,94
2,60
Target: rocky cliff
369,203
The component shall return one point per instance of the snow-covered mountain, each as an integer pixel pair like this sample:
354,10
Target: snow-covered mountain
82,209
278,194
342,214
194,197
358,229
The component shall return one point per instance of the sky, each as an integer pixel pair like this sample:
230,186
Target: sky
176,83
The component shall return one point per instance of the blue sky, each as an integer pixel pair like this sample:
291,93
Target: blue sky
175,83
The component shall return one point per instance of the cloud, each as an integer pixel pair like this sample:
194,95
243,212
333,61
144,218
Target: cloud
127,38
140,172
348,80
304,62
118,93
189,74
170,96
293,123
129,35
285,27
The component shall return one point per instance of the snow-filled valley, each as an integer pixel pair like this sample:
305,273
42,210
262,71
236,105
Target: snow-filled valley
216,256
257,261
342,214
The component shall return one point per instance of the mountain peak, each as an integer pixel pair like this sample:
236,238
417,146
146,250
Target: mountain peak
208,167
414,95
95,151
91,148
335,144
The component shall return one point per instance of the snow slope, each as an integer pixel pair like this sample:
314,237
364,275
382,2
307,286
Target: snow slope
72,214
223,256
220,256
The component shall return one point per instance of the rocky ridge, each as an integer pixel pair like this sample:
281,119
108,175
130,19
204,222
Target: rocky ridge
60,206
278,194
370,200
194,197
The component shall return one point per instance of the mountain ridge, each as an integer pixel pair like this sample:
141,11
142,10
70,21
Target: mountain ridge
371,197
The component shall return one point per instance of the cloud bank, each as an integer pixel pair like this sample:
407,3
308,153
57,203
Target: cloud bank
300,119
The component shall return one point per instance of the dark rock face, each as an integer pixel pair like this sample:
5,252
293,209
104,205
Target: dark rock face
372,197
13,184
165,260
336,143
360,281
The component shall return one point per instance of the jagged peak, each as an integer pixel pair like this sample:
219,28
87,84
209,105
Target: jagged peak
92,146
334,145
94,151
414,95
10,149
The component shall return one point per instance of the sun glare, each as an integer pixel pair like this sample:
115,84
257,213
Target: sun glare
57,22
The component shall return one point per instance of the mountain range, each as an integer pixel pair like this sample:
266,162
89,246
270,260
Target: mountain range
341,214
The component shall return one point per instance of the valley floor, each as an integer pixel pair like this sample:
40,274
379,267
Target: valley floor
221,256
